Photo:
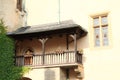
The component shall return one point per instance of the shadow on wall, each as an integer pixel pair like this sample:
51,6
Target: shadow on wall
49,75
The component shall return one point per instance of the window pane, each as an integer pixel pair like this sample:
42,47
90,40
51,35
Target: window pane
105,35
96,21
97,36
104,20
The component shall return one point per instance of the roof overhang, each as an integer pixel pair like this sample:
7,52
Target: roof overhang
45,30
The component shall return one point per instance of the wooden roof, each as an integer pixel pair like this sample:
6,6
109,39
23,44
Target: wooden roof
64,27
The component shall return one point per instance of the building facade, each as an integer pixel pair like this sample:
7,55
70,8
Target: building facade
12,14
51,50
99,48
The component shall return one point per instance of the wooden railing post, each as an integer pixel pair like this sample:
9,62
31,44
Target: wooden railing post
67,57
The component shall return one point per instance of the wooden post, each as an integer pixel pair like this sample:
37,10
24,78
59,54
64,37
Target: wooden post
43,41
75,45
75,41
67,42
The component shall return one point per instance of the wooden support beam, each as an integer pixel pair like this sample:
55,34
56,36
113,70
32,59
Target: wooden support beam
43,41
67,42
75,42
74,36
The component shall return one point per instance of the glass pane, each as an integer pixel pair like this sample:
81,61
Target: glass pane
96,21
105,35
97,36
104,20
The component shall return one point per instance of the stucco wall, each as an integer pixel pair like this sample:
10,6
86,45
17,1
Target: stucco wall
10,15
55,44
33,44
44,74
99,63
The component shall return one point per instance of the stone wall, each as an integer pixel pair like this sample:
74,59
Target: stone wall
10,15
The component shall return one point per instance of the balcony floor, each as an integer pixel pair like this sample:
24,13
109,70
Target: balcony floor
57,65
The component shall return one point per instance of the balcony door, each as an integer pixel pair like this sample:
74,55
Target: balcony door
28,57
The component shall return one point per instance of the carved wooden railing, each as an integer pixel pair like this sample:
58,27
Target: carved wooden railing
67,57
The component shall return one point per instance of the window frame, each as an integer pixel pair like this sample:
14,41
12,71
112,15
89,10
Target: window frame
100,26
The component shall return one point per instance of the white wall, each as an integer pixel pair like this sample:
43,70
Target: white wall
40,11
44,74
10,15
99,64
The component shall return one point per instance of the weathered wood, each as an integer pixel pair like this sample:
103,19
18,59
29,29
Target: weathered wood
43,41
74,36
75,46
52,59
67,42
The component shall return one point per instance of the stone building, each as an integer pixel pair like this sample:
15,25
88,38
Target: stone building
13,13
50,50
57,48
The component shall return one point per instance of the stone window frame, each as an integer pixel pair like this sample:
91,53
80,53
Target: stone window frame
91,30
100,26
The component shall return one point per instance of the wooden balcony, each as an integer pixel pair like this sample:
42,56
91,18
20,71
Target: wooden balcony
51,59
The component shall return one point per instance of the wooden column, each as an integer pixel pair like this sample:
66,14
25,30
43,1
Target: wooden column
75,42
67,42
43,41
74,36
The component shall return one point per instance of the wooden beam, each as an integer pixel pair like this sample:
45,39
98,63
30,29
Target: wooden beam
74,36
43,41
75,42
67,42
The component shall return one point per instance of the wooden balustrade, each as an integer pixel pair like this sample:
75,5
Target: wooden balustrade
67,57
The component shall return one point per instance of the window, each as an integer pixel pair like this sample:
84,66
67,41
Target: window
100,27
19,5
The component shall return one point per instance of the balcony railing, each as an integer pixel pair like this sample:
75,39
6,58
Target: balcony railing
67,57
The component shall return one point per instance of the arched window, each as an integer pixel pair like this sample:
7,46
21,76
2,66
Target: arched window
28,57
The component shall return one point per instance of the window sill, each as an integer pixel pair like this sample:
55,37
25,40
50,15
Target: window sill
101,47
